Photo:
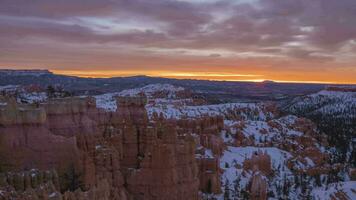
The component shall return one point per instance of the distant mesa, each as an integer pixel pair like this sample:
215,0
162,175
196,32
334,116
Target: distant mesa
268,81
341,88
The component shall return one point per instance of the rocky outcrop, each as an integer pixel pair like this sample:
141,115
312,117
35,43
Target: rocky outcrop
65,136
207,131
258,187
100,155
209,175
26,141
36,184
352,174
158,163
260,161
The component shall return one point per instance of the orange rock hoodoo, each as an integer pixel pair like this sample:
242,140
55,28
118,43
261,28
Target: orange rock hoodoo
258,188
260,161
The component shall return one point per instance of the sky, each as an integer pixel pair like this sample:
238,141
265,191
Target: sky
253,40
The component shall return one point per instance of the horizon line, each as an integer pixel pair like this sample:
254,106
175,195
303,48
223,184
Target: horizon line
207,76
181,76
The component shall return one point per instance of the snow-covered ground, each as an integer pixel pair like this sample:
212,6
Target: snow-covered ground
151,89
336,191
245,110
8,88
33,97
325,102
108,101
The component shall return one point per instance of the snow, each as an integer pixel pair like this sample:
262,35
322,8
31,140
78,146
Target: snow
150,89
53,194
34,97
310,162
9,88
238,155
245,110
208,153
326,102
232,162
106,101
254,129
329,191
227,138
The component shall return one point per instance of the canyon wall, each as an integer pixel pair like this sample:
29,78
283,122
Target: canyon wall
68,149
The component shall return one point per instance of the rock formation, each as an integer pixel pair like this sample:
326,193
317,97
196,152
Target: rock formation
94,154
258,188
260,161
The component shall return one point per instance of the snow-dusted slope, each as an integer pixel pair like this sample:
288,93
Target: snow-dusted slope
151,89
169,92
9,88
106,101
243,110
336,191
334,112
326,102
32,97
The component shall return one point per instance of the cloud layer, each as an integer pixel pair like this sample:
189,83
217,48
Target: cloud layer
311,40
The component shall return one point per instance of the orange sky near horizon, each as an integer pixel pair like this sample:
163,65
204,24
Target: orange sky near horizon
215,76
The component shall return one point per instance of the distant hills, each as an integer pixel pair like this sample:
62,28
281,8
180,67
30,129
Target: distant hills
215,91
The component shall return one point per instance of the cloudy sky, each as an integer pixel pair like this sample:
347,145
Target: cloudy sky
283,40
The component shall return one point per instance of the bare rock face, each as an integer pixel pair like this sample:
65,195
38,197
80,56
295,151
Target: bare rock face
260,161
158,164
353,174
35,184
207,129
258,188
66,135
26,141
213,142
99,155
209,175
167,171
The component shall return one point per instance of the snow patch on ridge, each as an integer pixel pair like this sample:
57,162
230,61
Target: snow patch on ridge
151,89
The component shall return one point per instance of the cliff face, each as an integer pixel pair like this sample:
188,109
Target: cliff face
27,142
209,149
158,164
94,154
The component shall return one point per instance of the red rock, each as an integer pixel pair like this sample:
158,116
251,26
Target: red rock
260,161
258,188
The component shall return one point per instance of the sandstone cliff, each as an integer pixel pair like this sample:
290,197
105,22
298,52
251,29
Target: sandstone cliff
94,154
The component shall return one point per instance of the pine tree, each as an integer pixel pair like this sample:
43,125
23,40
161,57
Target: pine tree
227,190
317,180
50,91
209,187
236,187
245,195
72,179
